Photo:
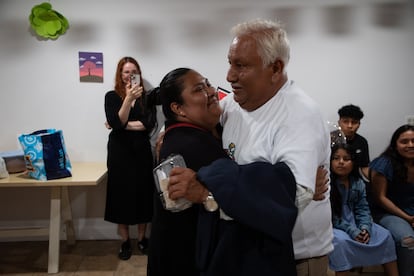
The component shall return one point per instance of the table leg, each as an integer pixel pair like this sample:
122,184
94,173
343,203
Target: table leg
54,230
67,216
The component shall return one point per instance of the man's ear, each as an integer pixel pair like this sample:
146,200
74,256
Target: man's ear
278,66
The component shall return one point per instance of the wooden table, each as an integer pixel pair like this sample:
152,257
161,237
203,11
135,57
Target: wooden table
83,174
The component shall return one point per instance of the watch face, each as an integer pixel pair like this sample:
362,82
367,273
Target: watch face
210,204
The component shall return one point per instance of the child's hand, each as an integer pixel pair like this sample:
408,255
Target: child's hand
363,236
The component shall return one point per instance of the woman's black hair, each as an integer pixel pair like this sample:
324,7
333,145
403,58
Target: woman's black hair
170,91
153,96
399,168
149,111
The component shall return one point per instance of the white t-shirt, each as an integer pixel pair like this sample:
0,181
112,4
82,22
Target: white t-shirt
289,128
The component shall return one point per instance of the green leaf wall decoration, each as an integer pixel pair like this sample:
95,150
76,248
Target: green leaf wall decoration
47,22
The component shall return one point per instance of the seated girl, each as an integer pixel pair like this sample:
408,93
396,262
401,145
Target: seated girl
357,240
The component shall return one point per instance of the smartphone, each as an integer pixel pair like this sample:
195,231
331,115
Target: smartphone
135,79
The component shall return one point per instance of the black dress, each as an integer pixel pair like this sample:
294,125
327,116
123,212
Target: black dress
172,247
196,242
130,187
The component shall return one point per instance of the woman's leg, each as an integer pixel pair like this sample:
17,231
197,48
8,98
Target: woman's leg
141,231
400,229
405,262
391,268
125,251
142,240
403,235
123,231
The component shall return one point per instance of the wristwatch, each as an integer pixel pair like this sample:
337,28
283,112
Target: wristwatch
210,204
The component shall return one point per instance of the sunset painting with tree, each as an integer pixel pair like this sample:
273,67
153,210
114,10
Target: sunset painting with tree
90,67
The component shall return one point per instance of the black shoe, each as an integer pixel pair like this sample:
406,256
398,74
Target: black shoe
125,252
143,246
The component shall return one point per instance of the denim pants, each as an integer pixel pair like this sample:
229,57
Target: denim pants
401,229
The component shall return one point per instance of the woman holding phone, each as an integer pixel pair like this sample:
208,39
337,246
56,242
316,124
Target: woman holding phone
131,116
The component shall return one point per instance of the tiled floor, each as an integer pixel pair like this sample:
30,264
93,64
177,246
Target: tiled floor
85,258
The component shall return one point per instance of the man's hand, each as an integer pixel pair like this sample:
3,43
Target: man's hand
321,185
183,183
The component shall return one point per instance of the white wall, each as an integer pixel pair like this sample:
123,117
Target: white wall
358,52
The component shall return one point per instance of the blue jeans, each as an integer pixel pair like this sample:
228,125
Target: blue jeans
401,229
398,227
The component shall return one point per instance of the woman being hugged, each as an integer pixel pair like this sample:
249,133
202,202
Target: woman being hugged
192,112
392,184
131,117
354,232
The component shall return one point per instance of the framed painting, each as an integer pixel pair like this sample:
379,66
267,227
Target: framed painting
90,67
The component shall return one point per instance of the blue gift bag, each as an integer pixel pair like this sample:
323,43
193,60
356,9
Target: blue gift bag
45,154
